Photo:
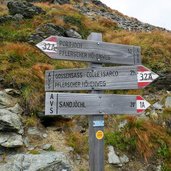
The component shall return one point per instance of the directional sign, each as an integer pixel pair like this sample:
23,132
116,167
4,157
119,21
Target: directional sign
111,78
89,104
87,50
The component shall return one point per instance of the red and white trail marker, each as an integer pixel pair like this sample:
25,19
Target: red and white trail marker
105,78
93,104
145,76
48,45
142,104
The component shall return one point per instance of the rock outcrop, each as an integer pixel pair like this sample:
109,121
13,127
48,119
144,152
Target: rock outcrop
61,2
11,129
50,29
48,161
124,22
27,10
10,139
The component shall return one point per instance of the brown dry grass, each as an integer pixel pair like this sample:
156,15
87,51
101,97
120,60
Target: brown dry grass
147,134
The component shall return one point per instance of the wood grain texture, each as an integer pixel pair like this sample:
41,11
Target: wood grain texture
106,78
96,147
89,104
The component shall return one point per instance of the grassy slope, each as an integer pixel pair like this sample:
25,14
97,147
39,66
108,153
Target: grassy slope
23,66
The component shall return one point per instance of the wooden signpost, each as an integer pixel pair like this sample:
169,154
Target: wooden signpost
92,104
110,78
94,78
90,50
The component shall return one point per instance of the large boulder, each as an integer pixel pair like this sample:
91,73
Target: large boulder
114,159
48,161
10,140
61,2
9,121
72,33
50,29
10,111
45,31
6,101
27,10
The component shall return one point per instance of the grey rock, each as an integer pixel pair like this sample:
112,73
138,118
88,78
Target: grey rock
47,161
10,140
9,121
26,142
18,17
46,146
6,100
36,38
45,135
122,124
124,159
159,168
34,131
123,22
72,33
158,106
13,92
30,148
51,29
45,31
4,19
168,102
154,115
24,8
16,109
112,156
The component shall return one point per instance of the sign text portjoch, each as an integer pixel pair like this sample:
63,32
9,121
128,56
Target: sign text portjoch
92,51
89,104
111,78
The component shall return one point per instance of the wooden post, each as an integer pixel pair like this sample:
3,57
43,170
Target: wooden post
96,142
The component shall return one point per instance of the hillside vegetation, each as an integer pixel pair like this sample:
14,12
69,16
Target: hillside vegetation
22,67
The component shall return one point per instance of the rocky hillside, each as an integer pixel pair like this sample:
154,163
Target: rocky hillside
29,140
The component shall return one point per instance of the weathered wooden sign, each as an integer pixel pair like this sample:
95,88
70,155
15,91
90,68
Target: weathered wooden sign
89,104
87,50
111,78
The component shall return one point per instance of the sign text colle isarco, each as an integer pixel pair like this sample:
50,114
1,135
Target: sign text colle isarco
111,78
